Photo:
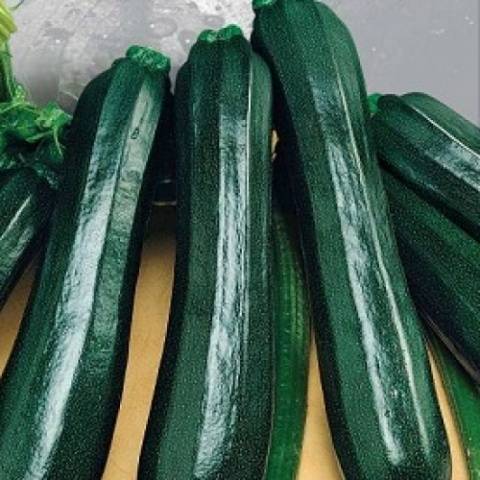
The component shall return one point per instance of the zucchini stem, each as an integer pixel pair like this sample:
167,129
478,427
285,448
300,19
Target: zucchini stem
149,58
373,100
224,34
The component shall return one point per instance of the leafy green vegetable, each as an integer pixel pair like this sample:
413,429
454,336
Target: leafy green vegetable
30,136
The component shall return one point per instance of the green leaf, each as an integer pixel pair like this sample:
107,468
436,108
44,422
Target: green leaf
30,136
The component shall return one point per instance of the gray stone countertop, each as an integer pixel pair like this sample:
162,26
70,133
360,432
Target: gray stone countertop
405,45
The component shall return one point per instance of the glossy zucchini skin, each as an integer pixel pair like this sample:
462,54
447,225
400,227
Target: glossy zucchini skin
165,191
442,263
379,393
211,414
292,340
464,396
26,205
435,151
61,390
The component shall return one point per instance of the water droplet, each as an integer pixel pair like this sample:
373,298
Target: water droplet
469,20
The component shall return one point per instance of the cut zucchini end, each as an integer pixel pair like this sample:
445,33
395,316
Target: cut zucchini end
229,32
149,59
224,34
208,36
257,4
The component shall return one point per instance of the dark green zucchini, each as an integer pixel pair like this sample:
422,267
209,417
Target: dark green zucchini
292,339
464,397
442,263
378,386
211,414
26,203
61,390
435,151
30,174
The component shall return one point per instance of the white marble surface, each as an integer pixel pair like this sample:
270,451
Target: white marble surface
405,45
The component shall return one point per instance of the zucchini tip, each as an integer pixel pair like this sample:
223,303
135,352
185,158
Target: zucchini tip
373,100
149,58
224,34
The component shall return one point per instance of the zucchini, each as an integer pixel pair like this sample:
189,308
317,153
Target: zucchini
26,201
373,359
433,150
292,340
61,389
29,179
464,397
442,263
211,414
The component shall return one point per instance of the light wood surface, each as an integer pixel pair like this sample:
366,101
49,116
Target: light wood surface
148,331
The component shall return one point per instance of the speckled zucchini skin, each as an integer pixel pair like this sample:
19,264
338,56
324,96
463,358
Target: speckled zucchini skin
443,268
464,398
378,387
211,415
26,203
61,390
435,151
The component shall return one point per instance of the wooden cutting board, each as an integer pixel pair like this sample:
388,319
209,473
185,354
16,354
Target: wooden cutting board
148,331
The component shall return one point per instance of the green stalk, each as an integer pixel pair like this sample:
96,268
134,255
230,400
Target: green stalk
373,102
464,398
